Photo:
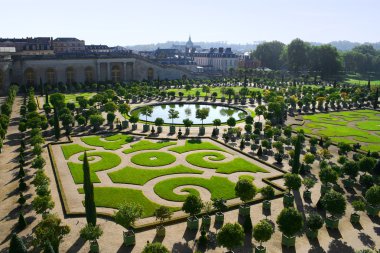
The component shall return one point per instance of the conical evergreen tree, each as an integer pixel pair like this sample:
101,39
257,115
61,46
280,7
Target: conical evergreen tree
17,245
21,172
260,151
89,201
297,153
57,133
21,221
376,100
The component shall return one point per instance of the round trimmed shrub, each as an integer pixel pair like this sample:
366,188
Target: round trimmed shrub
334,203
373,195
290,221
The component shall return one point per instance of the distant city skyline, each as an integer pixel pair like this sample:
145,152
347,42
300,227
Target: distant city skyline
148,22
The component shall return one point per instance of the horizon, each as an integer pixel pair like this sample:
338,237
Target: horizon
137,23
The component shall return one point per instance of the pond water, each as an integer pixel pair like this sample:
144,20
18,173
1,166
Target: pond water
188,111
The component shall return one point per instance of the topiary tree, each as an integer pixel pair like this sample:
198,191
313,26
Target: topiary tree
42,204
89,200
127,214
202,113
366,164
245,190
231,236
231,122
373,196
297,154
147,112
290,221
91,233
334,203
17,245
96,121
192,205
155,248
21,222
328,175
173,114
292,182
314,222
162,213
50,230
262,232
351,169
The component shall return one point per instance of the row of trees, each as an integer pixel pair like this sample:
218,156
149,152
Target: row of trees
325,59
5,113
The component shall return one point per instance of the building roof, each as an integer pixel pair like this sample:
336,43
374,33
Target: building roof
66,39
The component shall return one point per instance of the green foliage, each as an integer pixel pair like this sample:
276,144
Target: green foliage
91,232
153,159
128,213
373,195
314,222
202,113
309,182
267,192
21,222
351,169
245,190
42,204
292,181
163,213
148,145
231,236
72,149
290,221
297,153
328,175
334,203
366,164
89,202
263,231
155,248
192,205
358,205
17,245
96,121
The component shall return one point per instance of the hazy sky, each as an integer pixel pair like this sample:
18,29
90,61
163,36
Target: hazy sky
127,22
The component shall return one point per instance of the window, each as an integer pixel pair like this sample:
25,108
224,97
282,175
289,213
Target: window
70,75
50,76
29,76
89,75
115,74
150,74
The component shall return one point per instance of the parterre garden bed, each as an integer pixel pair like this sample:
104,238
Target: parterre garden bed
361,126
130,165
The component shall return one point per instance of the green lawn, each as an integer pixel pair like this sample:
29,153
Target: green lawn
130,175
195,144
72,149
219,187
112,142
108,161
362,82
153,159
213,89
236,165
148,145
349,127
71,98
247,177
112,197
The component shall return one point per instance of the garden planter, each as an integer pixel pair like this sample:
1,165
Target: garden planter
202,131
192,223
348,183
307,195
288,200
223,99
161,231
313,149
129,238
332,222
146,128
94,246
159,129
288,241
187,131
257,141
266,205
312,234
372,210
216,131
244,210
206,221
355,218
219,218
172,129
134,127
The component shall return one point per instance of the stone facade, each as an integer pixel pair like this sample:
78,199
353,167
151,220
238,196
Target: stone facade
52,70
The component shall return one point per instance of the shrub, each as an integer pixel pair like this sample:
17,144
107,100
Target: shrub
358,205
127,214
351,169
192,205
245,190
334,203
328,175
290,221
267,192
373,195
17,245
263,231
231,236
292,181
366,164
91,232
314,222
155,248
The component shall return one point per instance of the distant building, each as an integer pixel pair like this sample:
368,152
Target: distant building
248,62
216,59
29,46
68,45
98,48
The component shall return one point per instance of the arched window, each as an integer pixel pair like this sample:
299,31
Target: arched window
70,75
50,76
115,74
89,75
29,76
150,74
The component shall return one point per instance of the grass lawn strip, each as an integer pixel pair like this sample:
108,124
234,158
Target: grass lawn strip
153,159
112,142
219,187
108,161
130,175
72,149
112,197
247,177
236,165
195,144
148,145
213,89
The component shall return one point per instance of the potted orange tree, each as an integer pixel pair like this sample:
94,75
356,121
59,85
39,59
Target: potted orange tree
126,216
162,213
246,191
335,204
192,205
262,232
290,222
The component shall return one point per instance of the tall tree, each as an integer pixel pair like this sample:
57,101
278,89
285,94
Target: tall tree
325,59
269,54
297,54
57,130
89,202
297,153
